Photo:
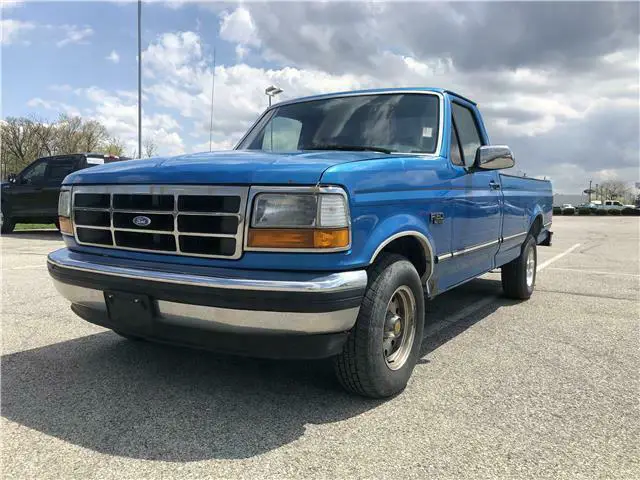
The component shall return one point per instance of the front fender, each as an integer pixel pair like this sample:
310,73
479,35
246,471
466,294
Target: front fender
395,227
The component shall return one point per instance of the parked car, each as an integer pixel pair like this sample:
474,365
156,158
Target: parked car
319,236
612,205
568,209
31,196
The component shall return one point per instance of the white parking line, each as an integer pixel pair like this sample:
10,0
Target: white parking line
594,272
557,257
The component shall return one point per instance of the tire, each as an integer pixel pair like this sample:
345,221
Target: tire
363,367
515,281
7,224
133,338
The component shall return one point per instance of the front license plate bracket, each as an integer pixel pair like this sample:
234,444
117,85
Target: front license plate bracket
129,310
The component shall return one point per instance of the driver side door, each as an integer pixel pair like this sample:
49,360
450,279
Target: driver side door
28,189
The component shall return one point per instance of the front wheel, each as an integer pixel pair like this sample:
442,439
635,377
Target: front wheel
383,346
6,224
519,275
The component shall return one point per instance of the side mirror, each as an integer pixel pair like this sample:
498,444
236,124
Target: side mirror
494,157
11,177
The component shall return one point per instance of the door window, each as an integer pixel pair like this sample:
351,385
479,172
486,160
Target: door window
469,135
34,174
454,149
59,169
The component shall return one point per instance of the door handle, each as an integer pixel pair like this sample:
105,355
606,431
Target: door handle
494,185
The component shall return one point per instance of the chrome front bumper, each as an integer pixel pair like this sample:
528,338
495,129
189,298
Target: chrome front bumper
206,299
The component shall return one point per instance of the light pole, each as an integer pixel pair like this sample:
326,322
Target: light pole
139,79
272,91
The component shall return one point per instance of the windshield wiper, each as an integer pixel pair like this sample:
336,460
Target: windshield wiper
355,148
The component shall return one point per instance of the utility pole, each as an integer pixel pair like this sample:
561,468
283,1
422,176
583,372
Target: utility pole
139,78
590,190
213,86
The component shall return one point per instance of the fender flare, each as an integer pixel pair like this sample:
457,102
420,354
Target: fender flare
537,212
397,227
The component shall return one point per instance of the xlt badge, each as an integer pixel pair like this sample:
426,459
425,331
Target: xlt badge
437,217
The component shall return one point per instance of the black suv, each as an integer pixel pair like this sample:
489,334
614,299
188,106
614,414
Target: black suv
31,196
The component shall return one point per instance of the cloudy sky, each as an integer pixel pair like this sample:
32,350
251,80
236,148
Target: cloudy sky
558,82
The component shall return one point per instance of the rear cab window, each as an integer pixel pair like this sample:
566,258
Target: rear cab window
59,168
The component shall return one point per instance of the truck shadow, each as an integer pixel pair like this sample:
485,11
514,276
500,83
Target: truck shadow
36,235
147,401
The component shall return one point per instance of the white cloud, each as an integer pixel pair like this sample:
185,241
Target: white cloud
238,27
57,107
74,34
554,120
12,29
113,57
7,4
118,112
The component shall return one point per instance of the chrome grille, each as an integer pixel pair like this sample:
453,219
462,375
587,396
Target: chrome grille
202,221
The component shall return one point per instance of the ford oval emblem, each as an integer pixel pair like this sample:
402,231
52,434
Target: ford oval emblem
141,221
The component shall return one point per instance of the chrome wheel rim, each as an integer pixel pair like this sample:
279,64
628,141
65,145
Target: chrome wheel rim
531,267
399,328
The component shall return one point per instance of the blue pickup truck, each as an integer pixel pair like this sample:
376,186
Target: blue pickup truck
321,235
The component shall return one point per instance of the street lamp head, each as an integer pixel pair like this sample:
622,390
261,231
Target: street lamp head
272,91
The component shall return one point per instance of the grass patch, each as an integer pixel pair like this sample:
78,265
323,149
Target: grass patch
34,226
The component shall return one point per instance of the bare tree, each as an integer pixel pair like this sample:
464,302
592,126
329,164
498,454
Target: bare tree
68,134
92,135
21,143
150,147
114,146
23,139
614,189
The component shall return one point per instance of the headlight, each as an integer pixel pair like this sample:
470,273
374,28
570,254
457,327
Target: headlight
299,220
64,211
64,203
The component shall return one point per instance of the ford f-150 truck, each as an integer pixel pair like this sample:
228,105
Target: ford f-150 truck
322,234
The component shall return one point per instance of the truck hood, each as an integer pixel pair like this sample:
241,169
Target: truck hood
239,167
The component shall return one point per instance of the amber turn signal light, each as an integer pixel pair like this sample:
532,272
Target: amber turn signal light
65,225
298,238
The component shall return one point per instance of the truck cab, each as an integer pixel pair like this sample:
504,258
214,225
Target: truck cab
31,196
321,235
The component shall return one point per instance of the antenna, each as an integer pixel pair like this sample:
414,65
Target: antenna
213,86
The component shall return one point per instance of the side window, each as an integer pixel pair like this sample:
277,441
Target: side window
468,133
282,135
34,174
454,148
58,170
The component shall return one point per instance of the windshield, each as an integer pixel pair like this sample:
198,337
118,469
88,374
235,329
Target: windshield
406,123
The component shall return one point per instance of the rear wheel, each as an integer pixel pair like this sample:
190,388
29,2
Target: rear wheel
519,275
383,347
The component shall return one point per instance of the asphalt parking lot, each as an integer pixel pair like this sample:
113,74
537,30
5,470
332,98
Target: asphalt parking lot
543,388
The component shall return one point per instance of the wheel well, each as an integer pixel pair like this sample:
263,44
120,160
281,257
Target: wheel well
414,250
536,227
